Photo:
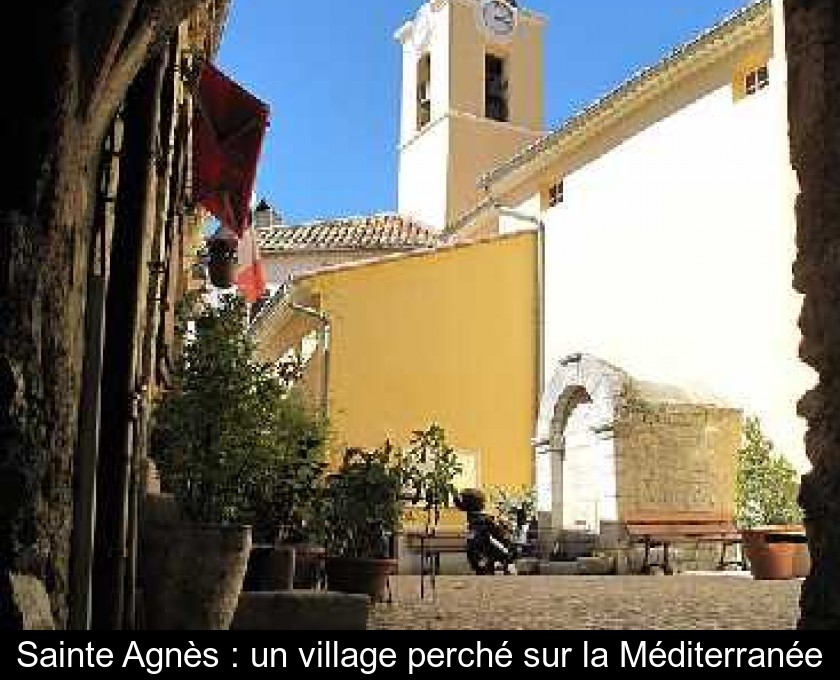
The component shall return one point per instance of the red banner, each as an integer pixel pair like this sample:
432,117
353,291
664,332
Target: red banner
228,133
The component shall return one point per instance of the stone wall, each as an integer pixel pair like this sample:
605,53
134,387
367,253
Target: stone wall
673,457
813,46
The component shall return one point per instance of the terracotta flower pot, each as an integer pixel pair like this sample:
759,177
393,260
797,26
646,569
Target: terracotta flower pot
360,576
802,561
191,575
772,552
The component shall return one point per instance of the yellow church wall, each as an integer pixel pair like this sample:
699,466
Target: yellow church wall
445,337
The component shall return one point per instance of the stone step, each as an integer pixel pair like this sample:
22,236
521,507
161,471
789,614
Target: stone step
301,610
583,566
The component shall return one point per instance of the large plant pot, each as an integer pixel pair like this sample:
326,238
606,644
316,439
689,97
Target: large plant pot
270,569
360,576
309,566
774,553
801,561
191,575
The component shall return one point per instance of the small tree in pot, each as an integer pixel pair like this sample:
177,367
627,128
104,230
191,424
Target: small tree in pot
430,467
767,510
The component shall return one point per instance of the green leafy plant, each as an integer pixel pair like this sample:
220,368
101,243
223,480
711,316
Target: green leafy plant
282,501
430,467
363,504
510,502
767,485
231,441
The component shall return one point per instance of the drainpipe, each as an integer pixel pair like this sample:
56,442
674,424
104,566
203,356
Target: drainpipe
540,288
540,448
324,333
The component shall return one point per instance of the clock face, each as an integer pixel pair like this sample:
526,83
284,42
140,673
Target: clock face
498,17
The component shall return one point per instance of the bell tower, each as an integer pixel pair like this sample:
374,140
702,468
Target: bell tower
472,96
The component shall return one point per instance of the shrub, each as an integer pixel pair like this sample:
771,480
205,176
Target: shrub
767,485
231,441
362,503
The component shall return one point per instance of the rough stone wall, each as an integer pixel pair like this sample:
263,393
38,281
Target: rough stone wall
813,44
676,458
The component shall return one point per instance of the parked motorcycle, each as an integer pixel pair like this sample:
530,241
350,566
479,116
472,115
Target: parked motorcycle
491,543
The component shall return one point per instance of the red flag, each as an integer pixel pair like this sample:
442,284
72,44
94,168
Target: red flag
228,133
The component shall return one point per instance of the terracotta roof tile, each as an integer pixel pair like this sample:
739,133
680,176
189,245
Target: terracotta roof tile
385,232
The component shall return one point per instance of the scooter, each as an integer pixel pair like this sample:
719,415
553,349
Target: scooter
491,544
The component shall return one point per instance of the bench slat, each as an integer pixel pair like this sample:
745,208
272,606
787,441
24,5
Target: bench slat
678,517
676,530
449,542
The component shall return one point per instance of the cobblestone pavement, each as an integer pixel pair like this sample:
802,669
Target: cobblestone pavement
590,603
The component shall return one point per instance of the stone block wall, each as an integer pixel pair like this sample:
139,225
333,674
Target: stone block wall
673,457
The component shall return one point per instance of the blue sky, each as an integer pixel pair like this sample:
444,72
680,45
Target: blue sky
330,70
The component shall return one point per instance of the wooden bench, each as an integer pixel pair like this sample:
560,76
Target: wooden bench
430,545
666,528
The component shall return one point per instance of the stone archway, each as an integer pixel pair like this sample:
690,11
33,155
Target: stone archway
576,472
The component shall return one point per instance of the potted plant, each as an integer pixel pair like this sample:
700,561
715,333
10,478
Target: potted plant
211,438
767,509
362,510
429,467
515,506
282,498
221,262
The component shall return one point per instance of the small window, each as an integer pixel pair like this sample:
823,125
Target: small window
496,89
424,91
556,194
756,80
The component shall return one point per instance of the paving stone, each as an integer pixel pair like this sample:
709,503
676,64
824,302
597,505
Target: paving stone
685,602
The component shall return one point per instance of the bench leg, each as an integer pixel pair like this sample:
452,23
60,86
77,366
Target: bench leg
646,564
666,562
422,570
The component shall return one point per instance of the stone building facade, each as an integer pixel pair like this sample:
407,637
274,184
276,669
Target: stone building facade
95,233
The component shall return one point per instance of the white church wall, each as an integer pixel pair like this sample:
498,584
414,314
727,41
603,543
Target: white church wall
671,258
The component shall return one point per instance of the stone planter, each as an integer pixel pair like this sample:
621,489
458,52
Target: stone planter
360,576
301,610
309,566
191,575
270,569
